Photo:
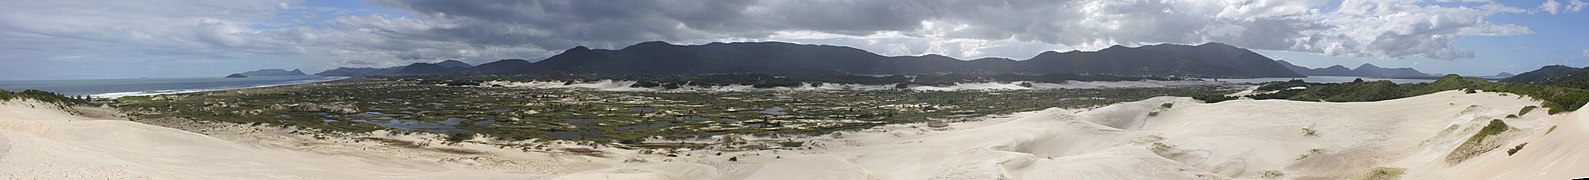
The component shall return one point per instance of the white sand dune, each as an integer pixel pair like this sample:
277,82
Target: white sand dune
1242,139
39,142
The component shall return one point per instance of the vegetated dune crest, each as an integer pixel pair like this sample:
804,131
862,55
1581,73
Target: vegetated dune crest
1423,137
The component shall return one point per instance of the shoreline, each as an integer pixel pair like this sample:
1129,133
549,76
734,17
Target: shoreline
113,95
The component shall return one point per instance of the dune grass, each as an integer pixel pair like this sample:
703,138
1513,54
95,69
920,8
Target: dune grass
1384,173
1476,144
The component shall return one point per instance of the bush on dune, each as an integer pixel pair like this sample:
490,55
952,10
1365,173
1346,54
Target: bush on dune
41,95
1477,144
1557,99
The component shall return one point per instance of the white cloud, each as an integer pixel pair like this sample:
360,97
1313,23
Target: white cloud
1576,5
1550,6
1554,7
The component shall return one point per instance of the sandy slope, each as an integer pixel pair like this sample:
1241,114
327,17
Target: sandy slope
1242,139
40,142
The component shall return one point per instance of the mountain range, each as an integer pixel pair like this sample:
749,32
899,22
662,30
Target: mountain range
779,58
443,67
1365,70
274,72
1552,75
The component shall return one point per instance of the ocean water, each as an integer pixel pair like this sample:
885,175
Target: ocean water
111,88
1324,79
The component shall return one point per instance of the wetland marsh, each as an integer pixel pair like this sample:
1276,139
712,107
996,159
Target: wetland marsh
445,107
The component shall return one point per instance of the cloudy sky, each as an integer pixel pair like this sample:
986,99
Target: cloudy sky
97,39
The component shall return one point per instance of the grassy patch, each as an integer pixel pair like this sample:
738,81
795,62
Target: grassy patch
791,144
1526,109
1272,174
1384,173
1475,144
369,104
460,137
1496,126
1552,128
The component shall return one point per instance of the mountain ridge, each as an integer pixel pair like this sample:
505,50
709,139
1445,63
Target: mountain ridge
781,58
273,72
1364,70
443,67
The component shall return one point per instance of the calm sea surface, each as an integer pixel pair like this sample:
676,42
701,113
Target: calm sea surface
150,86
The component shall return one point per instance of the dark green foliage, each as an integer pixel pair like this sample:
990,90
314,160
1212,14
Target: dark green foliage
41,95
1558,99
1526,109
791,144
1353,92
1213,98
460,137
1514,150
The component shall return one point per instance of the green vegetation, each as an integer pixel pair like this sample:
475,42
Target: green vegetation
1495,127
1384,173
1552,129
791,144
1526,109
1558,99
1514,150
460,137
1476,144
44,96
1213,98
451,105
1272,174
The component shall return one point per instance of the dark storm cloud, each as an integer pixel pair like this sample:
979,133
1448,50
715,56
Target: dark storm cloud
1408,30
395,32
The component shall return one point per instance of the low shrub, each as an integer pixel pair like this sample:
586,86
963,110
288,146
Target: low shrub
1514,150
